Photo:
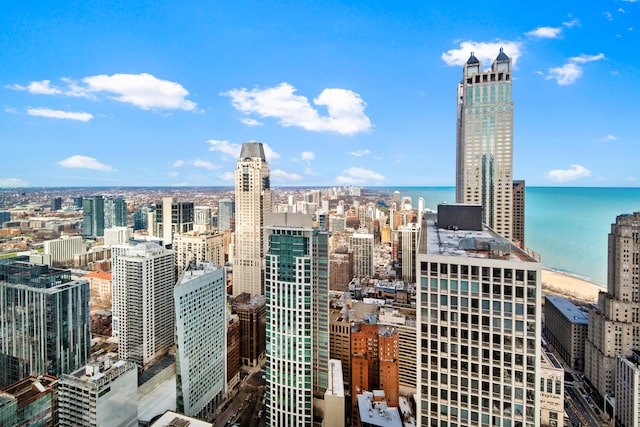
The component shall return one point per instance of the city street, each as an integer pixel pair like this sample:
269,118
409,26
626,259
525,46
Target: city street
246,408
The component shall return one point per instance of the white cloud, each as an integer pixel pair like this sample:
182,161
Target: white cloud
250,122
573,23
360,153
545,32
233,150
43,88
204,164
281,175
59,114
142,90
308,155
345,108
309,171
485,52
228,176
84,162
608,138
178,163
571,71
571,174
608,16
358,176
12,182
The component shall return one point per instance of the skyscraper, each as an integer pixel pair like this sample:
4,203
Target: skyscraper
173,217
44,328
484,146
407,250
226,211
195,246
202,218
361,244
115,212
92,216
143,280
200,300
253,200
478,329
297,318
614,324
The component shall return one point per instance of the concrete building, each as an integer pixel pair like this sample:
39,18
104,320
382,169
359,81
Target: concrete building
63,250
565,327
115,212
29,402
226,213
170,217
484,141
340,269
340,343
198,246
233,351
92,216
404,322
479,328
143,280
104,393
518,212
372,411
334,398
252,312
44,327
202,218
174,419
253,200
627,390
100,289
361,244
614,324
407,250
297,291
117,236
201,339
551,390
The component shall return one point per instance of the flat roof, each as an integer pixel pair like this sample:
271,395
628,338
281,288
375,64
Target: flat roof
377,413
471,244
573,313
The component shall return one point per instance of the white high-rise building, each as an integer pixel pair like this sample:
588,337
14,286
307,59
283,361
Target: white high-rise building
117,235
478,327
297,319
201,218
143,279
484,155
361,244
253,200
63,249
200,300
195,246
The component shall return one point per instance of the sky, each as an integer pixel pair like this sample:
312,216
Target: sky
164,93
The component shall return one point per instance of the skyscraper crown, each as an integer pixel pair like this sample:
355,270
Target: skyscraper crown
252,149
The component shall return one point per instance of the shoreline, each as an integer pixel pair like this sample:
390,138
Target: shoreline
573,287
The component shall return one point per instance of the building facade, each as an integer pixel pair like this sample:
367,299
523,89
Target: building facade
171,217
296,275
44,328
478,329
115,212
201,339
484,146
198,246
518,212
63,250
407,250
226,213
252,314
92,216
202,218
143,281
361,244
253,200
565,327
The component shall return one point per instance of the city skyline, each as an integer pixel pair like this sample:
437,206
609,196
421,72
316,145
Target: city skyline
344,93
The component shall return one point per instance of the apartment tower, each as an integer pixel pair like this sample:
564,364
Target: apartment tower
297,319
484,146
253,200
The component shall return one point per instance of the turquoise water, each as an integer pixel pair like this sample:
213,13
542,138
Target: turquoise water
567,226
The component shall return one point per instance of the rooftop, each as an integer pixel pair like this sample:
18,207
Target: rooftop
573,313
336,383
377,413
193,271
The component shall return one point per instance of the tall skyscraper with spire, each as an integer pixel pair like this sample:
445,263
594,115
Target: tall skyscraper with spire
253,200
484,166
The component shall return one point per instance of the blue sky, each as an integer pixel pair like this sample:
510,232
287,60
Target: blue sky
121,93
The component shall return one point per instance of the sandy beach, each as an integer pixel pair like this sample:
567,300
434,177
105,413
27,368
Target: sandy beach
569,286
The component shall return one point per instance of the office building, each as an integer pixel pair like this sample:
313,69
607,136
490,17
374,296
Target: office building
614,324
104,393
340,269
171,217
202,218
226,213
253,200
200,301
198,246
252,313
29,402
56,203
115,212
478,326
484,146
297,318
233,351
142,280
63,250
93,216
44,328
5,216
117,236
551,390
361,244
408,250
141,217
565,328
518,212
627,391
